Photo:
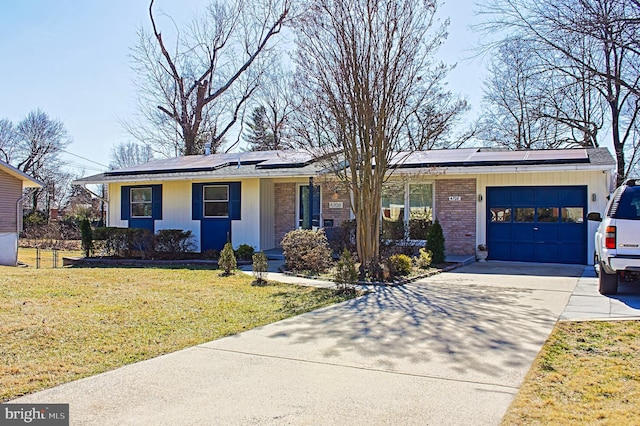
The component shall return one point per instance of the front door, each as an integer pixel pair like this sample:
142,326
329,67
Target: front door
309,209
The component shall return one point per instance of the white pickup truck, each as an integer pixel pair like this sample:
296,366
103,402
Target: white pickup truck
617,240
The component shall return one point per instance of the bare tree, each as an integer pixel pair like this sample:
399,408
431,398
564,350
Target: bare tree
276,97
195,91
8,140
514,115
128,154
595,39
34,146
364,72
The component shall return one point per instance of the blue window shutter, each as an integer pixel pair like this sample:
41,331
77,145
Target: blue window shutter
196,201
125,203
156,197
234,201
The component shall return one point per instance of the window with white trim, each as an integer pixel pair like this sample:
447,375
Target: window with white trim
215,200
406,203
141,200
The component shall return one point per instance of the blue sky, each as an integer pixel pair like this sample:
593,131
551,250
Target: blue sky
70,59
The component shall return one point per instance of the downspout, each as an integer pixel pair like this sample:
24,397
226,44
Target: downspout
19,210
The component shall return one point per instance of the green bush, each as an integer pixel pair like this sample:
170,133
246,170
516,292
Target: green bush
306,250
424,259
346,274
227,259
111,241
123,242
435,242
393,229
244,252
260,267
86,237
399,265
176,242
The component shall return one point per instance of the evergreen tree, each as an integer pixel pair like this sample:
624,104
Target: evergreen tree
259,137
435,242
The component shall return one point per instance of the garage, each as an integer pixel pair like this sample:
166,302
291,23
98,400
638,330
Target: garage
537,223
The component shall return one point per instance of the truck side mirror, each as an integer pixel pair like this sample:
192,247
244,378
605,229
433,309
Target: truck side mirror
594,216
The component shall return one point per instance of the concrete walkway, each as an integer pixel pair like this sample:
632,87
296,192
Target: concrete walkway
450,349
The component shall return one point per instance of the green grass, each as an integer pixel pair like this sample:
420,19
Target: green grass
586,373
58,325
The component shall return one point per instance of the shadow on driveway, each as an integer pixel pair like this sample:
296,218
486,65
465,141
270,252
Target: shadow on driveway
436,327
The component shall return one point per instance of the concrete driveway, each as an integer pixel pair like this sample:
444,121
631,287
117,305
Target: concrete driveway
450,349
586,303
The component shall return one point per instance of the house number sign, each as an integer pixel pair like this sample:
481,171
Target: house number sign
455,198
335,205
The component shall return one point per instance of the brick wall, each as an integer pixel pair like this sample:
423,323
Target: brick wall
333,194
285,209
286,199
457,218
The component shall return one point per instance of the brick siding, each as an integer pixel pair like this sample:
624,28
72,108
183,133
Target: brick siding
285,210
285,207
332,194
457,218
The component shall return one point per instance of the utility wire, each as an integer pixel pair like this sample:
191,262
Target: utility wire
83,158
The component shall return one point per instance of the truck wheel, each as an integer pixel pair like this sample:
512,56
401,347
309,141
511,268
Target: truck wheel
607,283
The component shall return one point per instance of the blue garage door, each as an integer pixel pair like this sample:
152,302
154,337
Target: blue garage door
537,223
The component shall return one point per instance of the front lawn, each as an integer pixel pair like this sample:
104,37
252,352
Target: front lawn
586,373
58,325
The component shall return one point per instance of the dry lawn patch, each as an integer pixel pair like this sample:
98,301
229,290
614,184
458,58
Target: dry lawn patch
58,325
587,373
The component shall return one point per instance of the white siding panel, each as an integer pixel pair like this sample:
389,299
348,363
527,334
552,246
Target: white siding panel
597,183
247,230
267,214
8,248
113,217
176,209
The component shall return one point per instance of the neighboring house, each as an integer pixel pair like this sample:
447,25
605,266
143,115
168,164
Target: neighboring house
12,184
525,205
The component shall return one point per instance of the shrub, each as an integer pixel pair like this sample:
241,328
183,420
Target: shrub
342,237
212,254
244,252
393,229
435,242
140,240
424,259
86,236
121,242
306,250
260,267
112,241
399,264
174,241
346,275
227,259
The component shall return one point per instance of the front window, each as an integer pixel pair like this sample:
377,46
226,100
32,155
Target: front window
406,203
216,200
393,200
141,202
420,210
